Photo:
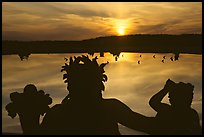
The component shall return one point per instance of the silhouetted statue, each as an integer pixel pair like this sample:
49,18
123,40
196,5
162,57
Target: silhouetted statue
83,110
179,117
101,54
29,105
172,59
21,57
66,59
24,55
91,53
116,54
176,56
116,58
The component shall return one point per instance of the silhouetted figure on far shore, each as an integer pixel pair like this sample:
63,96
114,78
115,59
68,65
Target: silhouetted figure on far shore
178,118
24,56
172,59
176,56
116,58
66,59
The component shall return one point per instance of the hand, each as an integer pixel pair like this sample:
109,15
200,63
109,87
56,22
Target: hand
169,84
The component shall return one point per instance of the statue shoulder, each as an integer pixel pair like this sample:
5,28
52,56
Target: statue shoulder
115,104
54,110
52,114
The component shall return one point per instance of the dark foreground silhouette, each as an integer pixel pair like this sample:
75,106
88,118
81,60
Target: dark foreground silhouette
83,110
178,118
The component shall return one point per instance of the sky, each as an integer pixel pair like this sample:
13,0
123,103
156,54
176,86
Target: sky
85,20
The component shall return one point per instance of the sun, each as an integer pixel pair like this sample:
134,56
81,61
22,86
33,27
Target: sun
121,31
121,26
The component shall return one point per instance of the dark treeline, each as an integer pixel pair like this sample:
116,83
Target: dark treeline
144,43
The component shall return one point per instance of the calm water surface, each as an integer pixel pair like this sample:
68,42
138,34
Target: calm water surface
128,81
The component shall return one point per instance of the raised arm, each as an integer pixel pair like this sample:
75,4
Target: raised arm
155,101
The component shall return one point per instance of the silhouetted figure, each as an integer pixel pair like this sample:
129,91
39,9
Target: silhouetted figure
24,56
29,105
83,110
162,61
115,53
21,57
116,58
154,56
140,56
91,53
172,59
176,57
164,57
101,54
138,62
66,59
178,118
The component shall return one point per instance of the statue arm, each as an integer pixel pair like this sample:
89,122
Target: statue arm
48,123
131,119
155,101
197,129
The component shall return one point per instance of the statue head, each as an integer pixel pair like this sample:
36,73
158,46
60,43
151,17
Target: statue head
85,77
181,95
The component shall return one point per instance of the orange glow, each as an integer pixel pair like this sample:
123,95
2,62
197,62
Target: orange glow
121,26
121,31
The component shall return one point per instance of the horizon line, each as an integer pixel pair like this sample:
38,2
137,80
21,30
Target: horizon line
101,37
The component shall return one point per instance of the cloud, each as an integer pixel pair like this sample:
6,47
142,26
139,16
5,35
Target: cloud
24,20
65,33
56,9
178,26
63,28
155,29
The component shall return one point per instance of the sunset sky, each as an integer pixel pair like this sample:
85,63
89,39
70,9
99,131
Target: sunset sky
84,20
